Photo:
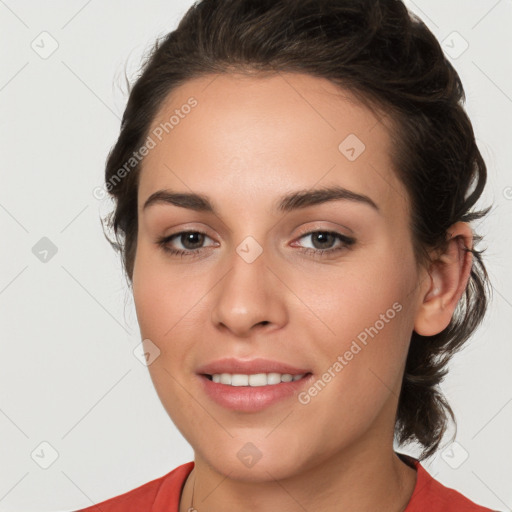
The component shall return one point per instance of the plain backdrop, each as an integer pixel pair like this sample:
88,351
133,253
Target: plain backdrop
80,421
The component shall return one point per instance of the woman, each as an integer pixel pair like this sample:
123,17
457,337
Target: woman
293,186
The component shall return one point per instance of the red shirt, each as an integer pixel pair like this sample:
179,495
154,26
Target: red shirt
163,495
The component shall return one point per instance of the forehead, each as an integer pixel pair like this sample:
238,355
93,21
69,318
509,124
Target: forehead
261,136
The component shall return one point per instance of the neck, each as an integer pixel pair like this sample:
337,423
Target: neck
340,483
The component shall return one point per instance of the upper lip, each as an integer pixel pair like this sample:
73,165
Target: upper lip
251,366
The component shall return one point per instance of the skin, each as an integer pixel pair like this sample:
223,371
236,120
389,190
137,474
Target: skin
249,141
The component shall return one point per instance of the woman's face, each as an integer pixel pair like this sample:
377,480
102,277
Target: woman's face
258,286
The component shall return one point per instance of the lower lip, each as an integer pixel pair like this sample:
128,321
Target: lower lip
252,398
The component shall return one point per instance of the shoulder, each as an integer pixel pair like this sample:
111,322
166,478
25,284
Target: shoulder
165,490
430,495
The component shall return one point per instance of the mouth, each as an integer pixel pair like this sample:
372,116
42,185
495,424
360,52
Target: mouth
253,392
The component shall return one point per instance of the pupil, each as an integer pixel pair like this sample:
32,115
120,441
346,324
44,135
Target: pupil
187,237
323,234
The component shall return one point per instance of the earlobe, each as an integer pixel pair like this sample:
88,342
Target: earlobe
449,274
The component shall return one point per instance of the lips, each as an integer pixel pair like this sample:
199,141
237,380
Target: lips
251,399
249,367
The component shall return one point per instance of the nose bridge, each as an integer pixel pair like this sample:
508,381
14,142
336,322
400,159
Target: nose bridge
249,292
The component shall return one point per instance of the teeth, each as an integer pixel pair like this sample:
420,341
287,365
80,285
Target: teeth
257,379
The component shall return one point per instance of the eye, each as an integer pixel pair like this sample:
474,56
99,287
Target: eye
324,240
192,243
188,239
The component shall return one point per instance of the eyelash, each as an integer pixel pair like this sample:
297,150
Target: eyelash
347,242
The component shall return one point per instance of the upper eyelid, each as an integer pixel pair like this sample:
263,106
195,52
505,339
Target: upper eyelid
315,228
302,234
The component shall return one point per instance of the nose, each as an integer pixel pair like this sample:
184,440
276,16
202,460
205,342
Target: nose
249,297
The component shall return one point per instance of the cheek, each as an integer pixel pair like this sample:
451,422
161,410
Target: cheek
162,313
148,298
168,299
153,302
361,356
355,296
366,318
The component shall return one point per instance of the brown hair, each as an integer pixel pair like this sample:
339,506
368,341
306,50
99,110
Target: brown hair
388,59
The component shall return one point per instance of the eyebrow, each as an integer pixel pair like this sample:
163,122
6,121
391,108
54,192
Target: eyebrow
293,201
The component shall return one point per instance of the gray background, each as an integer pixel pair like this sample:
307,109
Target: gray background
68,375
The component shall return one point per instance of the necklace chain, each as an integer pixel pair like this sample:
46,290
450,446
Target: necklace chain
191,508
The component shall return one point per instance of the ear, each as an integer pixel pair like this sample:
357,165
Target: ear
449,274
